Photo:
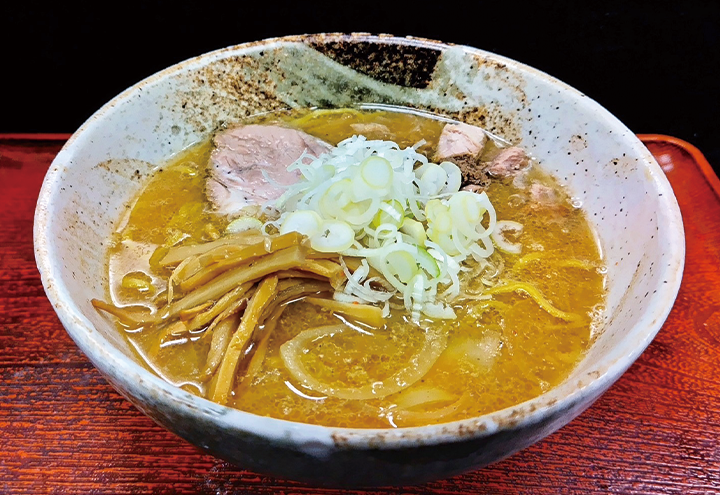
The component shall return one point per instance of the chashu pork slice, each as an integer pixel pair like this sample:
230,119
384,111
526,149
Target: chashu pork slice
460,141
463,144
250,162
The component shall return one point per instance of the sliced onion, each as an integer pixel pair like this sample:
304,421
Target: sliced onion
423,396
436,414
419,365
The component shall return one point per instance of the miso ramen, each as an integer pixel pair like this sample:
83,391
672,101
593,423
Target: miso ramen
356,268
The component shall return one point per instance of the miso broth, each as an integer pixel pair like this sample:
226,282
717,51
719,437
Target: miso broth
522,326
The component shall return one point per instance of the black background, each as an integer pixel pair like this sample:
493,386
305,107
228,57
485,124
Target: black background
655,65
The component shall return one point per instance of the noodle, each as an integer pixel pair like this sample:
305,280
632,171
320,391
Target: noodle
535,294
274,325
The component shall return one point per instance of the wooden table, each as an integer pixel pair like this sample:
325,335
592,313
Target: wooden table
64,430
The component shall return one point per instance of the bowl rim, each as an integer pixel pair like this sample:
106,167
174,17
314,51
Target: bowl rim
140,382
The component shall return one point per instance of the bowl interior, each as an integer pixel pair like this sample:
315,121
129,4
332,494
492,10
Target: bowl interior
622,189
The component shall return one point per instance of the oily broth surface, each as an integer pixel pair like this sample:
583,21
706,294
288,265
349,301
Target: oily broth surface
499,353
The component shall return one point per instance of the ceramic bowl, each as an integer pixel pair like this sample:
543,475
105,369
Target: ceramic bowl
623,190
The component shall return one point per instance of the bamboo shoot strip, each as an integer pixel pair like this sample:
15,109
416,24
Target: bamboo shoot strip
327,268
236,307
169,333
130,316
280,260
177,254
188,265
228,367
258,356
221,305
191,313
243,256
290,274
287,294
364,313
220,341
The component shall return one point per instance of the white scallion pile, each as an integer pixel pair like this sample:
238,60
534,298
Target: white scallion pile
405,215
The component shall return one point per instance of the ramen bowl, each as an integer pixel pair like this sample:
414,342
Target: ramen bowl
622,189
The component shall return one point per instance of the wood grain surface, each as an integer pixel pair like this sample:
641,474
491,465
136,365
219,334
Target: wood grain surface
64,430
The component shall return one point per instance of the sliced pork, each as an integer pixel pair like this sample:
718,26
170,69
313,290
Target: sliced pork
474,188
371,130
508,163
463,144
543,195
460,141
549,200
250,162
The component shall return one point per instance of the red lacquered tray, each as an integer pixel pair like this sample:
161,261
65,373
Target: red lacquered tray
64,430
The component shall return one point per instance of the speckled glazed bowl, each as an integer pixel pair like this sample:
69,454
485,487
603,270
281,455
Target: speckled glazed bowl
623,190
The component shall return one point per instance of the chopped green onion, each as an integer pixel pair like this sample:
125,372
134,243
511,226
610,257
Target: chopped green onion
405,215
333,236
306,222
391,212
498,236
415,230
403,264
